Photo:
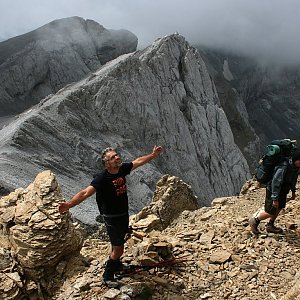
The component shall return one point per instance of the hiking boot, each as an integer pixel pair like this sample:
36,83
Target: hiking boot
108,274
254,225
273,229
111,267
118,266
109,279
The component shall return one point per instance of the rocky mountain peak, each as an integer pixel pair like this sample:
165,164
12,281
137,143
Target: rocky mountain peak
43,61
162,95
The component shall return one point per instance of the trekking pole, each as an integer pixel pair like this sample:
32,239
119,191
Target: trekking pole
134,269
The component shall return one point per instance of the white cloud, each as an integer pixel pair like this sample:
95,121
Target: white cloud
267,28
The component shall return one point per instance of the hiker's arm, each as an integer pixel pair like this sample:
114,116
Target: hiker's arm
293,197
76,199
293,189
140,161
277,181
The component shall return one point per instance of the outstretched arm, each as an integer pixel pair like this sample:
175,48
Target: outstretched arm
146,158
76,199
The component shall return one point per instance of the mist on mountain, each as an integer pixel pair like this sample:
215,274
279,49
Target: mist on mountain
265,30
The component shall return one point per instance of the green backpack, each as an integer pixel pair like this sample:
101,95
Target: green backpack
276,152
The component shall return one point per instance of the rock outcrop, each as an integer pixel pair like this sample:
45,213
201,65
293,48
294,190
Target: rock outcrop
294,292
171,197
161,95
43,61
35,238
271,96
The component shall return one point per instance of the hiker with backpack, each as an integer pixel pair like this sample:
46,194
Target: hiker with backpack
283,180
112,200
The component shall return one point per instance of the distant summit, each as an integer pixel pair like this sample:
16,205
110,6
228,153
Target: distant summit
261,102
41,62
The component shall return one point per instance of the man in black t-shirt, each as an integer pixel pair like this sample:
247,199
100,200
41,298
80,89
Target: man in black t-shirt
112,200
111,193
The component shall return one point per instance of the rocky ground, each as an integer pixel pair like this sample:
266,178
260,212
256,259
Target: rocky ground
224,259
44,255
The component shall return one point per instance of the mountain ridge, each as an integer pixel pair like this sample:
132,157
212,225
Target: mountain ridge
162,95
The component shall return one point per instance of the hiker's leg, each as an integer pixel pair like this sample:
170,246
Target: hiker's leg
263,216
255,221
282,203
117,228
270,227
273,218
116,252
269,209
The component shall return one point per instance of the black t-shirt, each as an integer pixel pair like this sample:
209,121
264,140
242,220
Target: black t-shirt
111,191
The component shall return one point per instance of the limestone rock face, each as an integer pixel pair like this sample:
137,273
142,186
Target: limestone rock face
222,66
34,235
43,61
272,100
162,95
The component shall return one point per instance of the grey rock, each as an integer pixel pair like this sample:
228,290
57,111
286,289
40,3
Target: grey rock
161,95
294,292
111,294
223,66
273,102
219,257
43,61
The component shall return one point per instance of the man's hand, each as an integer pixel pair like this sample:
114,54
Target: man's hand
293,197
276,203
63,207
156,151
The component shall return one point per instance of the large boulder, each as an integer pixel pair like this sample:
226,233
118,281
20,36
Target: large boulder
34,235
171,197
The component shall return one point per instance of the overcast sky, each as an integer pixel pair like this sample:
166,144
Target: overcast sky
265,28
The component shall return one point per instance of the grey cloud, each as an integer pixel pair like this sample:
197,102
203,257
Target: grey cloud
266,29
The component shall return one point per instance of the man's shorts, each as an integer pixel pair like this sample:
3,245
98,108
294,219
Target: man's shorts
269,208
117,228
